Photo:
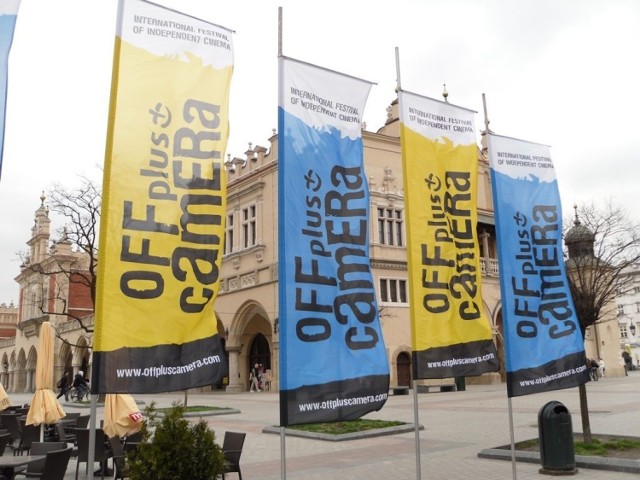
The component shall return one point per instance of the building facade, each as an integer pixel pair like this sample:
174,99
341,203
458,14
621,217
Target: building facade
247,305
628,310
47,286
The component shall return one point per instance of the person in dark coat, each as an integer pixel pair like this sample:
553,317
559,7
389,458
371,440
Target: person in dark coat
63,385
80,384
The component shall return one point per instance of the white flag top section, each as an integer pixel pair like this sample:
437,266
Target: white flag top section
323,105
9,7
166,35
437,120
521,160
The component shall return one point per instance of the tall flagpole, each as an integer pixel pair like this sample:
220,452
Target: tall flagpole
415,387
511,435
283,456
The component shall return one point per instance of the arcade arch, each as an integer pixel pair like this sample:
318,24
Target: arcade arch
81,357
20,374
403,369
250,341
4,377
32,360
65,363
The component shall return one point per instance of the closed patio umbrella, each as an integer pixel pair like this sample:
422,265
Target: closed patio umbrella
45,407
121,415
4,399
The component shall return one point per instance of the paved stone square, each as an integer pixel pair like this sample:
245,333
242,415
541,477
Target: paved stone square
457,426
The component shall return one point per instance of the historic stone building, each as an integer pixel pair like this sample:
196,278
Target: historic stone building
45,289
247,307
601,340
248,302
628,314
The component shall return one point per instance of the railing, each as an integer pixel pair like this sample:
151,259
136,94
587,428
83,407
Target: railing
489,266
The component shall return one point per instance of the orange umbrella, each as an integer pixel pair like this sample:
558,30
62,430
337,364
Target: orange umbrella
121,415
45,407
4,399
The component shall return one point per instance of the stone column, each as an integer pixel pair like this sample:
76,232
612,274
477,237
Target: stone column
28,387
275,366
235,385
485,245
20,381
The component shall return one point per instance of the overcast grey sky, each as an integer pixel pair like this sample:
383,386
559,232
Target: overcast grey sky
559,72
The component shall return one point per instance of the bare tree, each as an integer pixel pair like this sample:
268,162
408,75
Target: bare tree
602,244
72,261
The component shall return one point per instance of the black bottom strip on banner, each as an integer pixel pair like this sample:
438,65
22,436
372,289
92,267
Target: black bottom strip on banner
566,372
460,360
335,401
161,368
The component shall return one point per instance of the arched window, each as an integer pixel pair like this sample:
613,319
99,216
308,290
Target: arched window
260,352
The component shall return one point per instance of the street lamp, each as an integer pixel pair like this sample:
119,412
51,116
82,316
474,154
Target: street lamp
632,329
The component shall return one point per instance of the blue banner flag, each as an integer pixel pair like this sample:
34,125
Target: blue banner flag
8,14
543,341
333,363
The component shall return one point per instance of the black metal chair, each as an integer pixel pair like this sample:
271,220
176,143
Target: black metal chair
232,449
133,438
54,467
63,435
83,421
41,448
102,453
5,438
72,418
10,423
121,470
28,435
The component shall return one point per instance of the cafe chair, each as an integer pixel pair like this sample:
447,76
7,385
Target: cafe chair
121,470
5,438
63,435
71,418
232,449
54,467
10,423
101,454
133,438
41,448
83,421
28,435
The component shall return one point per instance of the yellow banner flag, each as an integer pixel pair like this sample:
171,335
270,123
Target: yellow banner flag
451,333
164,201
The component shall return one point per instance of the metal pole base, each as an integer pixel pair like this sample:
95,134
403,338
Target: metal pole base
554,472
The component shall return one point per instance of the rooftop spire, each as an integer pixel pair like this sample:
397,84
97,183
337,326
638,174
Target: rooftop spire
579,239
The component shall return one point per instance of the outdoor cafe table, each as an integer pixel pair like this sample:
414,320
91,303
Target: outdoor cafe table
8,463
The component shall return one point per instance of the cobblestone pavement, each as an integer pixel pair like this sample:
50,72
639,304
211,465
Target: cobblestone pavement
457,426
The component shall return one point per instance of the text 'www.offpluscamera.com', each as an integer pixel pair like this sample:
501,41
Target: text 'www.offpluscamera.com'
162,370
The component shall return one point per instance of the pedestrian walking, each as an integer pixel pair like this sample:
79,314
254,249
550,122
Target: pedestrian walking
254,379
63,386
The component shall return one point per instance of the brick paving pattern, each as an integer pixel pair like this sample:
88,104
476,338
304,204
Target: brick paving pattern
458,425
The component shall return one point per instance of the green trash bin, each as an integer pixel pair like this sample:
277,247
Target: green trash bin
555,437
